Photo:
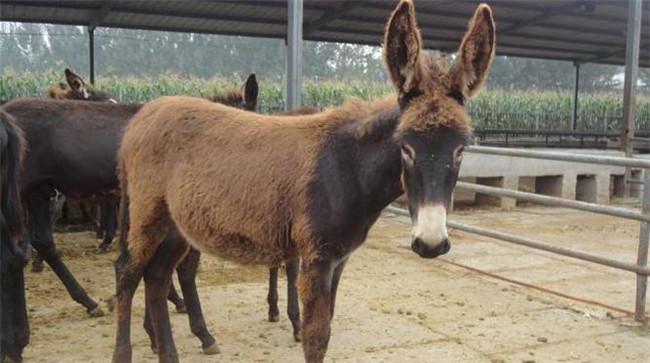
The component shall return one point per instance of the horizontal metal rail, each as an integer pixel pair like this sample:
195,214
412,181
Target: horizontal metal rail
640,139
537,245
555,132
554,249
556,202
563,156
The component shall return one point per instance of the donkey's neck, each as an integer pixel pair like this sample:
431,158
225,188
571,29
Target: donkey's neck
379,167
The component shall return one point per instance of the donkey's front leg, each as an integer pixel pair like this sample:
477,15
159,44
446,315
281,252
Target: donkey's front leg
316,296
336,277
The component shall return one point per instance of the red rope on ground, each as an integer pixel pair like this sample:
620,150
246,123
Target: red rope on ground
539,288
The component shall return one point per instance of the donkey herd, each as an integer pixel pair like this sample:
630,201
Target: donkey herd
299,189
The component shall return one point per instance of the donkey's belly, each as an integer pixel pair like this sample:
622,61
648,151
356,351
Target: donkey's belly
241,249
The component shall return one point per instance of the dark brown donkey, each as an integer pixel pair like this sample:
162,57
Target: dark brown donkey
60,157
265,189
77,89
14,326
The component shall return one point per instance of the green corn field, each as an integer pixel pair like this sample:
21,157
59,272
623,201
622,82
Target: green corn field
511,109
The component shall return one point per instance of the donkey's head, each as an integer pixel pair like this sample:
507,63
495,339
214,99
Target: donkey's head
434,126
245,99
77,89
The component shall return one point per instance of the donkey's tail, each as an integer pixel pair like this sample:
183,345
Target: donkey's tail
12,145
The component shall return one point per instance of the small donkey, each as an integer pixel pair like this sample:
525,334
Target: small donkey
261,189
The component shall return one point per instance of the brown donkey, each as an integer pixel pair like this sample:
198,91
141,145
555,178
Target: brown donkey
265,189
77,89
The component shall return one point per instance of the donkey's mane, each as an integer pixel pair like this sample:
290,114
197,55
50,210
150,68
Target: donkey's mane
439,82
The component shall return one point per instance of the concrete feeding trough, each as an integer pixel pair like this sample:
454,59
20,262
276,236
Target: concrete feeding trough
569,180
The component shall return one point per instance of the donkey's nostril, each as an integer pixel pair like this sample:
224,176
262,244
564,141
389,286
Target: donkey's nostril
417,246
426,251
445,246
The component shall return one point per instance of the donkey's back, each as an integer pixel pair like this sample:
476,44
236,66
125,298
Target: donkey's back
72,144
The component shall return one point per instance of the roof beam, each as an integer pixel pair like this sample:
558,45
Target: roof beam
429,34
465,15
620,51
330,16
585,15
124,8
549,13
101,15
461,29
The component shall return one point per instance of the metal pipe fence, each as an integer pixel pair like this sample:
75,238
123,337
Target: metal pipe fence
641,268
563,156
555,202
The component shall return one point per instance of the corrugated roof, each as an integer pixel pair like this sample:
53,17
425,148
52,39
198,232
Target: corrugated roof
581,31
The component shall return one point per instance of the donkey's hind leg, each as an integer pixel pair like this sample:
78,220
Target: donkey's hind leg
108,224
293,306
175,299
37,263
157,277
40,227
146,231
171,296
272,297
187,278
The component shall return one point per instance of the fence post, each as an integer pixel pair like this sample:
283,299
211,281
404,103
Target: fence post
642,258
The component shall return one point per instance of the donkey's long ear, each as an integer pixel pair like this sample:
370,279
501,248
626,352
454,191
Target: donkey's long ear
76,83
475,53
402,43
250,91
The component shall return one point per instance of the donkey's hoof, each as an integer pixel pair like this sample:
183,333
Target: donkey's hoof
297,337
102,248
37,267
154,349
212,349
274,318
96,312
181,309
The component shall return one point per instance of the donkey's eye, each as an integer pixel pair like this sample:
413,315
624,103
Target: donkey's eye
408,154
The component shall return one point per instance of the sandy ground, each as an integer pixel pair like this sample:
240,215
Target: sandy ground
392,305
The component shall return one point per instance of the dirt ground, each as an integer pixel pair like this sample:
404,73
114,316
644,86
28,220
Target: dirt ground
392,305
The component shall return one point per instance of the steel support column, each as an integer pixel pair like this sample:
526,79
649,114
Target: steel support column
630,84
576,88
294,54
642,253
91,53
